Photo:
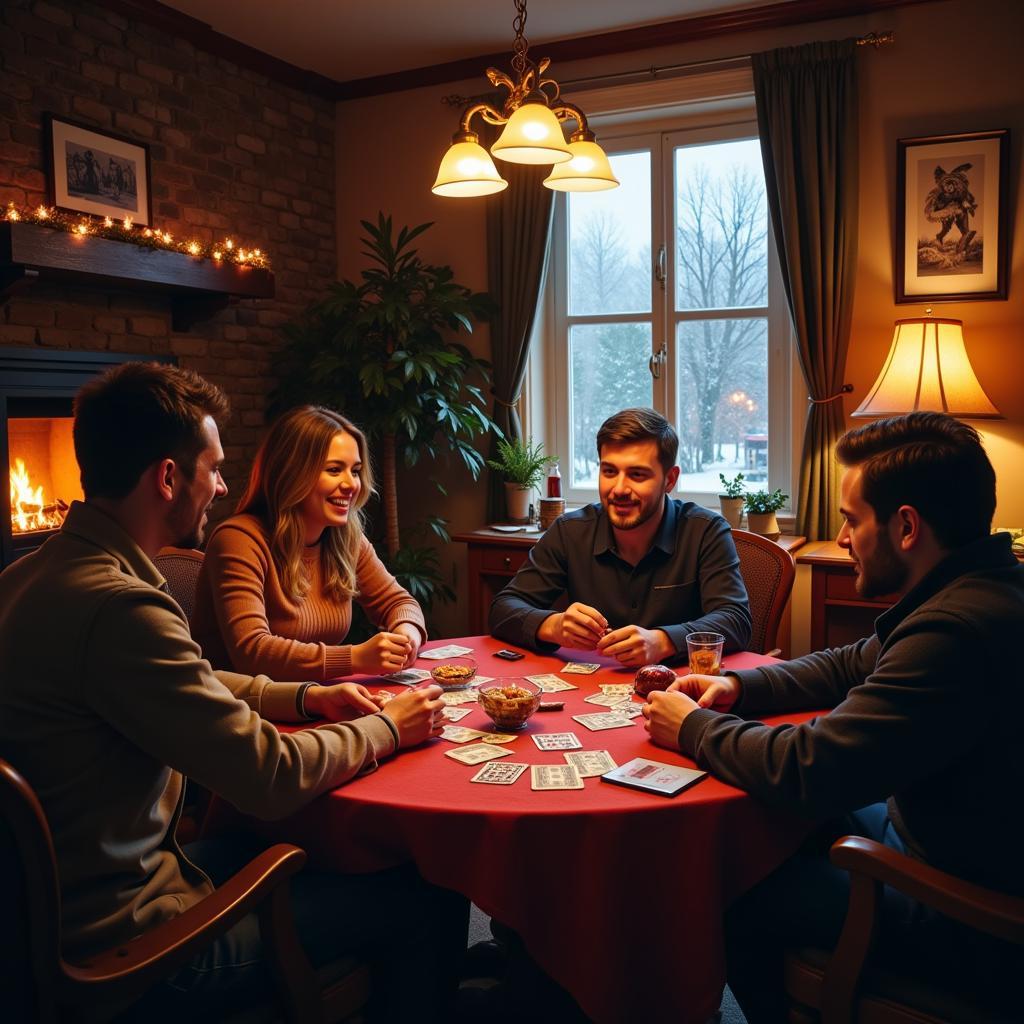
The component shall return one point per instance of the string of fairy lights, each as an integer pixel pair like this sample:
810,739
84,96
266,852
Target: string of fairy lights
225,251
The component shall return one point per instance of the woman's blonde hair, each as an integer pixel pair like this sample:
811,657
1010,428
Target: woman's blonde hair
287,467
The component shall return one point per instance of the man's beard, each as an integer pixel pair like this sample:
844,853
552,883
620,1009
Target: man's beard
886,574
641,516
186,527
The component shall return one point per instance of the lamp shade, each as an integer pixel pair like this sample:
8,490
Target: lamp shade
532,136
467,170
587,171
928,368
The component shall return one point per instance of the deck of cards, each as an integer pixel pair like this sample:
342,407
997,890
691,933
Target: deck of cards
580,668
603,720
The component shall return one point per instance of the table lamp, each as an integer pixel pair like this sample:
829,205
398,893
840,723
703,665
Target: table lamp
928,368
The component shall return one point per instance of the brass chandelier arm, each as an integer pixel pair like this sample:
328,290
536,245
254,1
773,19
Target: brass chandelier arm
486,111
570,112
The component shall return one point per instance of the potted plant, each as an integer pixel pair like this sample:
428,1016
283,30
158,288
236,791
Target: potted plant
522,464
761,507
731,499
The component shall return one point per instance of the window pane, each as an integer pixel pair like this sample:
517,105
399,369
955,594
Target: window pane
721,226
723,402
608,372
610,242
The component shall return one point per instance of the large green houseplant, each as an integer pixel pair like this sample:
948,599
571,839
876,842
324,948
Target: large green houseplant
380,351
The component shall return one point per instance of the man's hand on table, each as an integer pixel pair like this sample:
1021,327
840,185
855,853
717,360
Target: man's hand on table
666,710
716,692
579,626
382,654
338,700
416,714
635,646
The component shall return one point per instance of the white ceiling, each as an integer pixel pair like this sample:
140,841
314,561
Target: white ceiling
349,39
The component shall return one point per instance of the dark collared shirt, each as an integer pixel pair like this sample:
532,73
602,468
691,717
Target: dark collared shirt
689,581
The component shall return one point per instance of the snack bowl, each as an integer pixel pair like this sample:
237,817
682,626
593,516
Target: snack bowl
509,702
454,673
652,677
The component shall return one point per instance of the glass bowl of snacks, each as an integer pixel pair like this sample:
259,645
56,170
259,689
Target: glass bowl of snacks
509,702
454,673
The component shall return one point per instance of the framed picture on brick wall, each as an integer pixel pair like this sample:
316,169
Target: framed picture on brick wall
97,172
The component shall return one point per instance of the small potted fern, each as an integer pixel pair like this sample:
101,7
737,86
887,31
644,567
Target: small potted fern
522,464
761,507
731,499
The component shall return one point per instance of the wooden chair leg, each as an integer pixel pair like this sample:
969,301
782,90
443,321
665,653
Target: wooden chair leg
296,981
842,973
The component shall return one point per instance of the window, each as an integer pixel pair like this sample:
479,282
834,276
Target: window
665,293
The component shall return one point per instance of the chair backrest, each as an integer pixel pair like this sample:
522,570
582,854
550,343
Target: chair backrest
768,573
180,567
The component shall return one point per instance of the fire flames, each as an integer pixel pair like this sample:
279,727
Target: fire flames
29,509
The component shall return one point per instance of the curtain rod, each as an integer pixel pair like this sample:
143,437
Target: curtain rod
873,39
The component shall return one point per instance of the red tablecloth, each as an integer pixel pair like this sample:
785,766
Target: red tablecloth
619,894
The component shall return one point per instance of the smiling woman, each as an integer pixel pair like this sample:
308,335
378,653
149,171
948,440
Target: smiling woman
276,590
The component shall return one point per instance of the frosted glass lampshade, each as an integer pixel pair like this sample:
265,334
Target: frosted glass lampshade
467,170
928,368
587,171
532,136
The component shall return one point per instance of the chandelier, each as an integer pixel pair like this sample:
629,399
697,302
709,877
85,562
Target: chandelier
533,115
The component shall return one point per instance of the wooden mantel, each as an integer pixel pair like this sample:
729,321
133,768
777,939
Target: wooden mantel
198,288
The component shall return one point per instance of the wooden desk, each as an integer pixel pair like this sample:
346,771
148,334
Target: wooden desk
494,558
839,615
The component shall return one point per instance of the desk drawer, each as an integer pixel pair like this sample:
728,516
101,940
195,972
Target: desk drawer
841,583
503,560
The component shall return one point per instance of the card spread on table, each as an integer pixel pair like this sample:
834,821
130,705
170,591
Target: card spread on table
603,720
607,700
477,753
456,714
654,776
500,773
580,668
590,763
550,683
409,676
623,689
461,734
630,709
554,776
480,680
453,698
557,741
450,651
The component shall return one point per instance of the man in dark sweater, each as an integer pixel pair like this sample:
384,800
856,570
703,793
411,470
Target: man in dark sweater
640,569
918,495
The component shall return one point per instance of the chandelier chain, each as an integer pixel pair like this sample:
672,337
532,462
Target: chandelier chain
520,61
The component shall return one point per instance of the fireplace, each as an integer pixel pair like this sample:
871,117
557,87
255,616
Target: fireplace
36,450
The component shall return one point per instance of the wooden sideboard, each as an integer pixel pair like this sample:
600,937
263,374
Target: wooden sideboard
839,615
495,557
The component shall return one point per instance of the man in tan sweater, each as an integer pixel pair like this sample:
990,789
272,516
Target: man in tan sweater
106,730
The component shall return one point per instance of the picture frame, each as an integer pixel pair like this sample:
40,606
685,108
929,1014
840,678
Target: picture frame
952,217
90,170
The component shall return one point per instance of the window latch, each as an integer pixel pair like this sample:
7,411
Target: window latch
660,264
657,361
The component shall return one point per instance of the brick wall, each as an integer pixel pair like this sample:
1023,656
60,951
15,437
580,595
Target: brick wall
232,152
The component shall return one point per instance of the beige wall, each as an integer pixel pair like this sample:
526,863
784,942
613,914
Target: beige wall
955,67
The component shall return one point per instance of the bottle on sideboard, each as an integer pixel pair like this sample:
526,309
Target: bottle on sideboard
554,481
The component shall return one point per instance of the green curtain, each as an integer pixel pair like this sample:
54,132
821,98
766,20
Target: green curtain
807,117
518,228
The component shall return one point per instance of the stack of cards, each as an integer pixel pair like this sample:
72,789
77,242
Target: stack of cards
450,651
603,720
409,676
550,683
580,668
462,734
477,753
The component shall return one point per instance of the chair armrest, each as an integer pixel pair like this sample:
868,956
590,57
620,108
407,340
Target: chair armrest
160,951
998,914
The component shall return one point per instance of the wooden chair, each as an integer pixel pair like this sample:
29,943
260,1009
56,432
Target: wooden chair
839,988
180,567
768,573
38,984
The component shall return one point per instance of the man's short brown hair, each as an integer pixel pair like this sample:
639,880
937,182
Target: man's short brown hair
136,414
631,425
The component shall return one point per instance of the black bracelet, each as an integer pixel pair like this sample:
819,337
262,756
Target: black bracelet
300,701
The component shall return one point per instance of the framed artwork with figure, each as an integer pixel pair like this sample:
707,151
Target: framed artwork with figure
952,217
94,171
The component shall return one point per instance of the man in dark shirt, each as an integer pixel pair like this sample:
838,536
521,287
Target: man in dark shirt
640,569
909,722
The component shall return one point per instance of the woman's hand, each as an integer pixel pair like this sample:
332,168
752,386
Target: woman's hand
336,701
415,638
417,714
381,654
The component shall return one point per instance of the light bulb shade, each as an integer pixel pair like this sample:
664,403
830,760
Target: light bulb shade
587,171
928,368
532,136
467,170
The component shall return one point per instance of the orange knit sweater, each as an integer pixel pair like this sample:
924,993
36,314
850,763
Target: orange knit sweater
243,619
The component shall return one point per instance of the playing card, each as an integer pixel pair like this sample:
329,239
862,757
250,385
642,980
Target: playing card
480,680
625,689
453,698
590,763
603,720
554,776
557,741
456,714
607,700
409,676
580,668
477,753
450,651
500,773
550,683
498,737
461,734
629,709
